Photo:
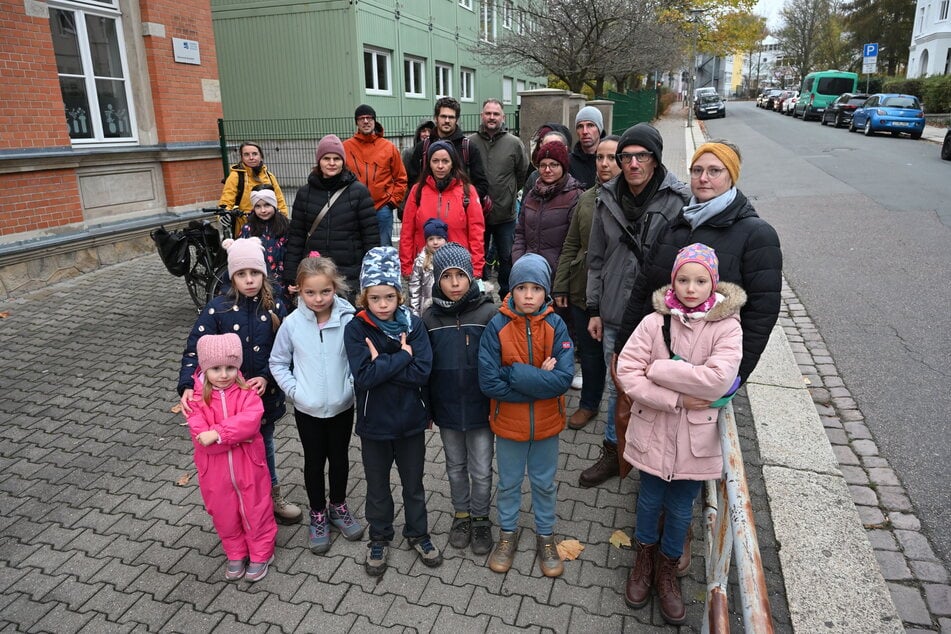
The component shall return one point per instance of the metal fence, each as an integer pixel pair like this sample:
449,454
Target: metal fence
289,144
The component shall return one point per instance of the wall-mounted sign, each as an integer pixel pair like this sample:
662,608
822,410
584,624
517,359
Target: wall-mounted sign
186,51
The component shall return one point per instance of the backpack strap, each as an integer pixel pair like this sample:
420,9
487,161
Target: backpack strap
239,193
465,199
465,152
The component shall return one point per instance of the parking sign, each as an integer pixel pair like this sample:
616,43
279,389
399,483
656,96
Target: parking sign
870,50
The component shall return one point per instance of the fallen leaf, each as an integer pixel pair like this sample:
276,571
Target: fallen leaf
620,539
4,314
569,549
806,380
176,408
183,479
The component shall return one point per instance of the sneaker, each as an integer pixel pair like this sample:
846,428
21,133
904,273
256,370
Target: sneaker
235,569
257,571
319,540
504,554
481,535
576,382
460,532
343,521
428,553
376,559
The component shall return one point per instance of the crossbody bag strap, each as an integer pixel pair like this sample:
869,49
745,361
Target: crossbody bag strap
323,212
665,330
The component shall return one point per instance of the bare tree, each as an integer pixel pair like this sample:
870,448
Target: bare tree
802,31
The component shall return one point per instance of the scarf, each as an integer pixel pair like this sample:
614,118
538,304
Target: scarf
698,213
633,205
683,312
333,183
545,192
395,327
451,307
443,183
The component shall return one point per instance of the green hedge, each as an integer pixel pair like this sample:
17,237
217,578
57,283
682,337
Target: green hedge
934,92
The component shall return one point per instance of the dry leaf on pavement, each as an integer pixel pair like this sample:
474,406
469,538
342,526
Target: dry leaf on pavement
176,408
620,539
183,479
4,314
569,549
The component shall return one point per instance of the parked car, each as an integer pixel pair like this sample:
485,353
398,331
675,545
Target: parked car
789,104
781,99
708,106
819,88
888,112
839,112
946,146
769,97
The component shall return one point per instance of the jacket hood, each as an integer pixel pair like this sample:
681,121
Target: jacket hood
341,307
733,299
346,178
425,123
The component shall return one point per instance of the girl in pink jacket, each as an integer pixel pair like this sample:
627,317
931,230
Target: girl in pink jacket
680,359
235,484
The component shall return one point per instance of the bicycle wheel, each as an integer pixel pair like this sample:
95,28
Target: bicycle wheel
199,274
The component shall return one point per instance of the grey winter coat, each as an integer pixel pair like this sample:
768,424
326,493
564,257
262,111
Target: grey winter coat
506,167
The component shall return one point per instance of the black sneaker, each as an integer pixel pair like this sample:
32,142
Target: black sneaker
376,558
460,532
428,553
481,536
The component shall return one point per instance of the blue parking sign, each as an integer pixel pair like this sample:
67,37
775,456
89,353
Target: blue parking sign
870,50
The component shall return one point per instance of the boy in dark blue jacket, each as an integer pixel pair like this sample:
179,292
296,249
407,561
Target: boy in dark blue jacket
455,321
390,360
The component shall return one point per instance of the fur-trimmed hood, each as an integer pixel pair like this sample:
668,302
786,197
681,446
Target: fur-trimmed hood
731,299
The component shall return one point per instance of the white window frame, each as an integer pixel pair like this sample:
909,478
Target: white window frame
466,84
943,10
417,77
466,4
507,11
376,55
443,84
487,21
110,11
519,87
507,85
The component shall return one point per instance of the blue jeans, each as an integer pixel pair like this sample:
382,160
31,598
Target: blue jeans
608,336
384,218
676,499
267,432
503,234
591,356
469,468
378,457
540,457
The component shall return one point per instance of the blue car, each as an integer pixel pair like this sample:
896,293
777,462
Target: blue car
889,113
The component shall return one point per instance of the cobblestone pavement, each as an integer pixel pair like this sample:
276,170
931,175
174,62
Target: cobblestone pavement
917,579
96,536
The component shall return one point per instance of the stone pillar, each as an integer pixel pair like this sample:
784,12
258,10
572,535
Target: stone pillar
540,106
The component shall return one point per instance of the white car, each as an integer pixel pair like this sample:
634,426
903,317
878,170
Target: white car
789,104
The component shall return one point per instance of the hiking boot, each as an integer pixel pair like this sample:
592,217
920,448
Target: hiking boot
461,532
235,569
376,559
319,540
606,467
284,511
428,553
549,561
683,564
343,521
581,418
257,571
481,535
504,554
637,590
668,590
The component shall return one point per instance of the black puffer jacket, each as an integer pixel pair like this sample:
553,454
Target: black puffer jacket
345,234
749,253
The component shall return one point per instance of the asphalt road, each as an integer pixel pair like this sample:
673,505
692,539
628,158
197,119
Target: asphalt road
865,224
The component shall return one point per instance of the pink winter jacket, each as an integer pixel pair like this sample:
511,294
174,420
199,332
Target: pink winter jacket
663,438
232,475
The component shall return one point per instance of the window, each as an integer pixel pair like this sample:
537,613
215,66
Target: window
506,90
414,77
466,84
507,14
466,4
943,10
487,22
93,78
947,63
519,87
376,71
443,80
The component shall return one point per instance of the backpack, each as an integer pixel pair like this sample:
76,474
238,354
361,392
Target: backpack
172,247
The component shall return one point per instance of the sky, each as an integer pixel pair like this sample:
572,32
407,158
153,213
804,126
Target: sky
769,9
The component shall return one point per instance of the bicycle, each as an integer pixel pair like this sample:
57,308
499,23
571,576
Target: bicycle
196,254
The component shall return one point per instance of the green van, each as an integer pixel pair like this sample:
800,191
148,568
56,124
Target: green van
820,88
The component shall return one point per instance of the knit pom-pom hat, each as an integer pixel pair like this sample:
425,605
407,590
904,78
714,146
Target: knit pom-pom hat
245,253
219,350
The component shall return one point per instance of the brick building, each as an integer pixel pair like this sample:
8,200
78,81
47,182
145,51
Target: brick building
108,127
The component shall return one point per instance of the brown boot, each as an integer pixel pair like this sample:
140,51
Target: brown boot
581,418
284,511
683,564
668,590
637,592
606,467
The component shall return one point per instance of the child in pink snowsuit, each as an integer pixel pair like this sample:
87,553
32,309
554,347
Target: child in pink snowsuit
235,484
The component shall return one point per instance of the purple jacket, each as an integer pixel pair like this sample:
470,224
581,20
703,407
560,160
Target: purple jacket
542,224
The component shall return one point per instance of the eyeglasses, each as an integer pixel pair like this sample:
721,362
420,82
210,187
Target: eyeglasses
548,167
365,117
712,172
447,117
626,157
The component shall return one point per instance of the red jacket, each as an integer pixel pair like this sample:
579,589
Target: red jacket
466,226
377,163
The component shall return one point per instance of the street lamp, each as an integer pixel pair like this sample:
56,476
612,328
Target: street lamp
692,69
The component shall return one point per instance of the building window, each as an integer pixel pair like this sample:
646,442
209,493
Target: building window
943,10
376,71
443,80
519,87
466,84
487,22
947,63
93,77
466,4
507,14
414,77
507,90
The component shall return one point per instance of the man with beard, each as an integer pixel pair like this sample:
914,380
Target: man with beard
247,175
589,126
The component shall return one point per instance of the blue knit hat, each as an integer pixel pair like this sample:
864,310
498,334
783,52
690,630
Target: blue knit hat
533,268
452,255
436,227
381,265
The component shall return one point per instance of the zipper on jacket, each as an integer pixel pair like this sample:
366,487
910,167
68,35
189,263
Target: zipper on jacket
531,361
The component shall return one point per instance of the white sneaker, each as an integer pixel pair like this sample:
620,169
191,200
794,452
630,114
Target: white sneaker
576,381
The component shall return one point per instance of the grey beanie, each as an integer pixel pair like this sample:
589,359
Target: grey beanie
592,114
645,135
533,268
452,255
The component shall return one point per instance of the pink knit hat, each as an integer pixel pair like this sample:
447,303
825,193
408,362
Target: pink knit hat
219,350
245,253
330,144
702,255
